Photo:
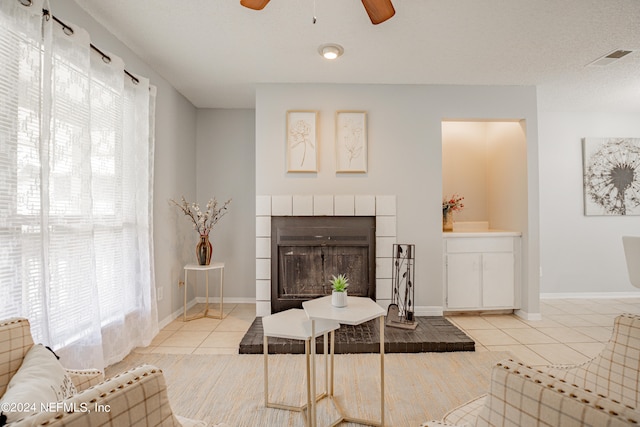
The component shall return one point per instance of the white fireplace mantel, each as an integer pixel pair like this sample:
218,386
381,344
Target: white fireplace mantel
382,207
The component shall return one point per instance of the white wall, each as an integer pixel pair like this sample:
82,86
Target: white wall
405,157
579,254
225,166
175,151
464,167
507,176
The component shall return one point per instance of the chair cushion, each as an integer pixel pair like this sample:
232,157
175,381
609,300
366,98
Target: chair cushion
40,381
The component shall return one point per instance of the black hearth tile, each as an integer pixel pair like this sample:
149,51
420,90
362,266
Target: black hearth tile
432,334
370,347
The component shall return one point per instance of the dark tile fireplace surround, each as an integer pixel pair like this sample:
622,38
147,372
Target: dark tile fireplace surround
307,251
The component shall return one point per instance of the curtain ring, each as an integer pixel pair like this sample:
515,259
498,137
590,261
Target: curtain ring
133,78
65,28
106,59
26,3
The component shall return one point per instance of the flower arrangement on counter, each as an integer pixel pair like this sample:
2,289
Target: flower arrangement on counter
203,222
452,204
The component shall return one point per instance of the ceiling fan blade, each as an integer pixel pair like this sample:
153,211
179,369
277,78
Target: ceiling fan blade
378,10
254,4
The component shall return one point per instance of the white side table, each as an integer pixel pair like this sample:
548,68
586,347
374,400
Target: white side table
358,310
294,324
206,269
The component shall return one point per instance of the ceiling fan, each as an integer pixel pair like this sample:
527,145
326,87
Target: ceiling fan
378,10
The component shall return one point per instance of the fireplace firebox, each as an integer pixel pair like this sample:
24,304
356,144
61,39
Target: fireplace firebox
307,251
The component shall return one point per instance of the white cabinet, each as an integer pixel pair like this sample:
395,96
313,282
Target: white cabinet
481,272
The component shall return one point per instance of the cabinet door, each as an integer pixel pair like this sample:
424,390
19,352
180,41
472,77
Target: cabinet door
463,281
498,280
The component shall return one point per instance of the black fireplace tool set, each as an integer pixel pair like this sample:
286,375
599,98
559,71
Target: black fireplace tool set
401,311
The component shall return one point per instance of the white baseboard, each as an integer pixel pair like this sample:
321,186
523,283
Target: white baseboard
425,310
590,295
230,300
173,316
201,300
527,316
428,310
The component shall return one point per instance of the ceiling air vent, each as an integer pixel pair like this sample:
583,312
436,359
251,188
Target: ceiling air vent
611,57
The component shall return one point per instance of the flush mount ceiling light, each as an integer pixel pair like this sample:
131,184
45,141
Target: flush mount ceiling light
331,51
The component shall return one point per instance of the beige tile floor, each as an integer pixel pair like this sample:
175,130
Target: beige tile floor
571,331
205,335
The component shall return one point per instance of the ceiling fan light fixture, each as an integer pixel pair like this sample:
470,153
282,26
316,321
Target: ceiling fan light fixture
379,10
331,51
254,4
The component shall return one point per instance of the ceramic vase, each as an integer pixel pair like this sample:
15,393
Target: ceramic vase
339,299
204,250
447,221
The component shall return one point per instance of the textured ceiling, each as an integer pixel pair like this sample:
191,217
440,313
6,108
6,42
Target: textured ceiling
215,51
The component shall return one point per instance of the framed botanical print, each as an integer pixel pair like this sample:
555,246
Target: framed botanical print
611,169
302,141
351,141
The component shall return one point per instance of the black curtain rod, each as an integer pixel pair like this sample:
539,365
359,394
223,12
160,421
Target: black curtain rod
69,31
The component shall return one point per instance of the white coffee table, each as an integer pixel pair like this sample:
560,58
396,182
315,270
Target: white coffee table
294,324
358,310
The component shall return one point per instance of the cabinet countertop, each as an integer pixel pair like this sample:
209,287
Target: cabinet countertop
481,233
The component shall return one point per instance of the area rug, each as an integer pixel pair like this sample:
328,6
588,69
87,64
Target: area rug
432,334
230,389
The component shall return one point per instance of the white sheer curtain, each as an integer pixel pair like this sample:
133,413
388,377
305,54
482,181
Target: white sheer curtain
76,157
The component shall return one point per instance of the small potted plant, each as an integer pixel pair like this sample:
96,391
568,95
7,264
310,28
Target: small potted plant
339,294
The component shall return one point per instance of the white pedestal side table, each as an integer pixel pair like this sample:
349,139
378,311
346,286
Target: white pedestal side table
294,324
206,269
358,310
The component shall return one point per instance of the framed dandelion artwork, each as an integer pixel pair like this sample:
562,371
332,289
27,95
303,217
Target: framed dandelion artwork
611,176
351,141
302,144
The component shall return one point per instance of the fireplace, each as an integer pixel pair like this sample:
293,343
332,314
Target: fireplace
307,250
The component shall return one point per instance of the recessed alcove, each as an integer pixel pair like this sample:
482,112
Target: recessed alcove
486,162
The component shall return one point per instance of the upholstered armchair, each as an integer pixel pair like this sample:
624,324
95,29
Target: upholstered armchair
603,391
134,398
